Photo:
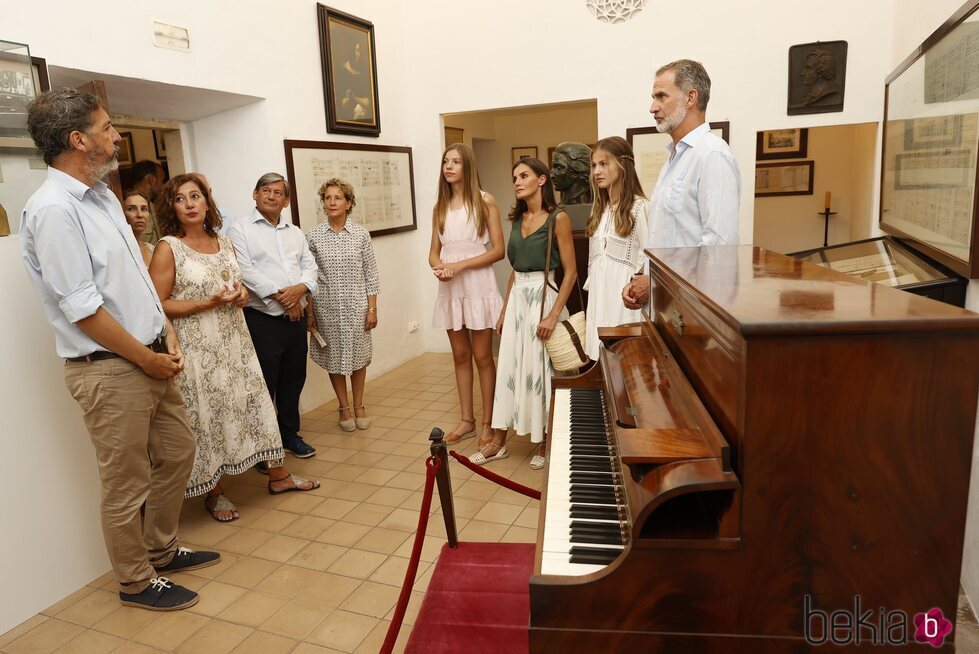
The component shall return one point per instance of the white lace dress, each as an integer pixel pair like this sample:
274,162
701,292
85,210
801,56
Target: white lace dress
228,405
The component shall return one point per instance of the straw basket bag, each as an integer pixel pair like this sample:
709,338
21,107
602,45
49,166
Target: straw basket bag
566,346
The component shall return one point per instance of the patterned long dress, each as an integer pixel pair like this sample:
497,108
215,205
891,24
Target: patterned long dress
347,275
228,406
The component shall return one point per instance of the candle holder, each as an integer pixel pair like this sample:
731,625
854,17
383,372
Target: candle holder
826,213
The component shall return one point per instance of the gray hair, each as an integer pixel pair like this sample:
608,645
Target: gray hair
271,178
54,115
690,74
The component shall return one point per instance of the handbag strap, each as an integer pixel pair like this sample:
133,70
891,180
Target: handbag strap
547,266
575,340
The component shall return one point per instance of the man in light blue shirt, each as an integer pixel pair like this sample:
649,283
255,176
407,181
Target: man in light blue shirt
698,193
121,352
279,271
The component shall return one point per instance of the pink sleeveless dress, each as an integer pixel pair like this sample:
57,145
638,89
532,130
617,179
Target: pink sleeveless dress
472,298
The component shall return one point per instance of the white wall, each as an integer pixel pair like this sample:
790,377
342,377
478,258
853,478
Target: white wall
843,158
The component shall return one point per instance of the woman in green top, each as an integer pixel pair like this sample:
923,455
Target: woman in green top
523,380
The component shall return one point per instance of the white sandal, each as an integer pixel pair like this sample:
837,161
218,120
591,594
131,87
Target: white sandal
480,459
537,462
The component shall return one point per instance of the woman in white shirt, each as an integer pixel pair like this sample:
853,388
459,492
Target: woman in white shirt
617,236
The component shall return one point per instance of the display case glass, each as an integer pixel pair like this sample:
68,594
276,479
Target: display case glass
886,260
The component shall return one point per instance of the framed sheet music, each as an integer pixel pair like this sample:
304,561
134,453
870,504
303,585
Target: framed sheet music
649,148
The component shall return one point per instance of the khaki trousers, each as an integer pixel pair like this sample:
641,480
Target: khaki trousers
145,452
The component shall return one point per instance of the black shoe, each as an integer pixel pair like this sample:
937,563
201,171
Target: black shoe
262,467
187,559
299,448
161,595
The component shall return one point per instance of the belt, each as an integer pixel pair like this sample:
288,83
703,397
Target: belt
159,346
281,316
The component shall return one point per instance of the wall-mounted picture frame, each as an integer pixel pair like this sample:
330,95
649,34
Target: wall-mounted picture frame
382,177
789,178
347,55
649,148
817,77
127,156
516,154
782,144
20,82
159,144
930,146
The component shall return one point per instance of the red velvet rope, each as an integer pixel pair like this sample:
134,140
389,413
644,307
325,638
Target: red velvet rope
432,466
492,476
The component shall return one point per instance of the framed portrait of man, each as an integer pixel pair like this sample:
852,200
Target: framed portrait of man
349,73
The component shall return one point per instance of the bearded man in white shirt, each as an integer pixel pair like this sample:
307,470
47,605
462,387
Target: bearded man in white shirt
697,195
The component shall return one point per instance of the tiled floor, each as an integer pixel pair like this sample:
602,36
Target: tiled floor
319,571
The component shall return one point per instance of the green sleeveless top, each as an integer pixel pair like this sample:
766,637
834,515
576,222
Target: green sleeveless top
528,254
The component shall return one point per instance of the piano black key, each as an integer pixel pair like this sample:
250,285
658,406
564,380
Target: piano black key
595,512
586,527
594,555
598,540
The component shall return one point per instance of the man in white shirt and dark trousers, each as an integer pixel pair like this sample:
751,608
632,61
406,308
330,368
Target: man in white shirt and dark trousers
121,353
279,271
698,193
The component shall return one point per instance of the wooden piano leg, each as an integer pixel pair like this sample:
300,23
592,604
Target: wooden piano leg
441,452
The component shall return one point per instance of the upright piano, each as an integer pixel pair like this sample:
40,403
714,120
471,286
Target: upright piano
773,444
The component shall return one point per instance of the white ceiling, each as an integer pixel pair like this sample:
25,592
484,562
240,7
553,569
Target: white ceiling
147,99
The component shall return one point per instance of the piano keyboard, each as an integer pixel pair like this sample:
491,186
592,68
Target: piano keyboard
584,518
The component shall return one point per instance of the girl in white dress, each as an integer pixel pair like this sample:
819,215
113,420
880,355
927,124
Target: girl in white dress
617,237
464,221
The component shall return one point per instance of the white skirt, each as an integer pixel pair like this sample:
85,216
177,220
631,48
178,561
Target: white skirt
523,377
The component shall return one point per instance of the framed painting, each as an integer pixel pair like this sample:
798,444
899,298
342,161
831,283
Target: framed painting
349,73
649,148
793,178
516,154
126,151
381,176
159,144
930,145
782,144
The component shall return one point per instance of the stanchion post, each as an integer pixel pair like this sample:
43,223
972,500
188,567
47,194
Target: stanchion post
440,451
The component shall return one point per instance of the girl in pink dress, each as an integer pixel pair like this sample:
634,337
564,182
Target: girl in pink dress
464,220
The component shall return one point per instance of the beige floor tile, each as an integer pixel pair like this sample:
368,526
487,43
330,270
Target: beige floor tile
308,528
344,534
228,559
21,629
248,572
260,642
280,548
90,642
483,532
390,401
528,517
128,621
275,520
92,608
476,489
372,599
205,534
411,611
343,630
317,556
380,446
296,619
404,411
407,480
392,571
346,472
171,630
136,648
330,591
216,638
334,509
376,476
250,517
309,648
498,512
77,596
252,609
507,496
368,514
106,581
464,507
366,459
382,541
389,496
416,448
45,637
215,597
358,564
397,435
430,549
298,502
400,519
356,491
397,462
288,580
243,541
335,454
519,535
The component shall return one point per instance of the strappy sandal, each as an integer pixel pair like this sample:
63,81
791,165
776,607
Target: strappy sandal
481,459
349,424
220,505
362,423
297,482
453,437
537,462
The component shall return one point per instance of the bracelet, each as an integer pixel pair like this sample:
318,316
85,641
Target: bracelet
371,309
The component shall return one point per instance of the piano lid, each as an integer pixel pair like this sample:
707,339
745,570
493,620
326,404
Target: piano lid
758,291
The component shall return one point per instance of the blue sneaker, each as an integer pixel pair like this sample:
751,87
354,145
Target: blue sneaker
299,448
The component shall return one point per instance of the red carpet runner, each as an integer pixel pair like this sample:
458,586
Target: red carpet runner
477,601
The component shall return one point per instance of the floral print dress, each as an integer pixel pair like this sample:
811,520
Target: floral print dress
228,405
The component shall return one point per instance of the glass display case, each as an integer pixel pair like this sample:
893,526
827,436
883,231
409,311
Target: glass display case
886,260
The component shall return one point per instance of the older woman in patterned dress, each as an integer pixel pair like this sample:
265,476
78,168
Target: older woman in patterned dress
344,309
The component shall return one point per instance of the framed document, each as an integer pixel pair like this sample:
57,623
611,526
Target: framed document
789,178
930,145
381,175
22,78
649,148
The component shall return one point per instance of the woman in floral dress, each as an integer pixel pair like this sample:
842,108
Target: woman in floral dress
228,406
